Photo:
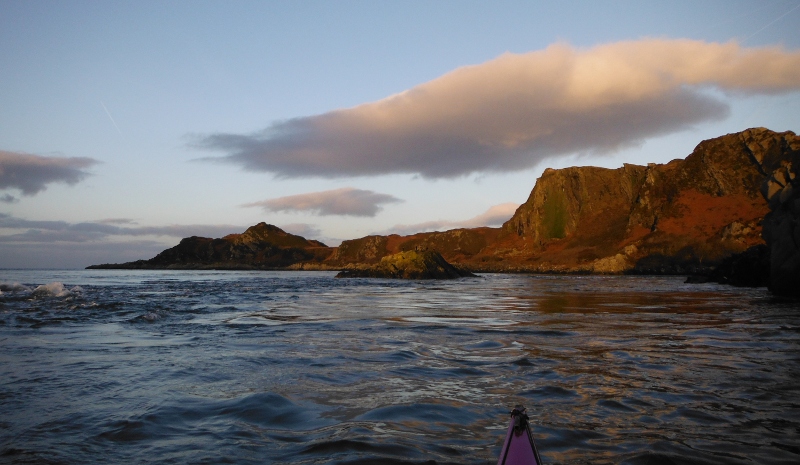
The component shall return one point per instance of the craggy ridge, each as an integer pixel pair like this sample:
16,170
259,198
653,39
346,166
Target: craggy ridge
683,217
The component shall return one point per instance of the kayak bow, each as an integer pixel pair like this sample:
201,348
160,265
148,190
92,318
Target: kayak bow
519,447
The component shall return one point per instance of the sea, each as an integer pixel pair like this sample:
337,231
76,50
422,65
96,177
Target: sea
256,367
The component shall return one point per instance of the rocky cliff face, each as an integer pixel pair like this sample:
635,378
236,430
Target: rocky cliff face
369,249
584,201
672,218
456,246
781,228
262,246
681,217
576,219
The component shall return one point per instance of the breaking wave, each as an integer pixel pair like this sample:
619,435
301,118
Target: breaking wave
13,287
55,289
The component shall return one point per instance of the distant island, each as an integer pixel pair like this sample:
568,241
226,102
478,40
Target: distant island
701,215
260,247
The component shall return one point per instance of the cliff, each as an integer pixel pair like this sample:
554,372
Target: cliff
781,226
672,218
681,217
684,217
262,246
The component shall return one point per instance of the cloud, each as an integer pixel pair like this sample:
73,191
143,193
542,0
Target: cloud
60,244
117,221
494,216
514,111
346,201
62,231
8,198
74,255
32,173
309,231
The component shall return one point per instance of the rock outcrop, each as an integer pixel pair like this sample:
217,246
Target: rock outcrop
456,246
262,246
750,268
688,216
412,264
682,217
673,218
781,227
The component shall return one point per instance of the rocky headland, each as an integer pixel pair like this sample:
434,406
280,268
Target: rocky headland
260,247
682,217
698,215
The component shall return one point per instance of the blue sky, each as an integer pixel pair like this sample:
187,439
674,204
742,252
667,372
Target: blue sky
125,126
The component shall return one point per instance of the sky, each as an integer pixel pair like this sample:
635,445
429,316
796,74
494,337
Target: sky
126,126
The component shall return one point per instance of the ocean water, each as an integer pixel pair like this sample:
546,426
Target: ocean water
107,366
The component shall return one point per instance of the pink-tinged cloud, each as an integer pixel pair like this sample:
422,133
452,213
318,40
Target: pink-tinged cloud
346,201
32,173
309,231
514,111
494,216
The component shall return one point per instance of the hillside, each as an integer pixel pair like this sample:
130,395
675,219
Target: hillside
680,217
685,216
262,246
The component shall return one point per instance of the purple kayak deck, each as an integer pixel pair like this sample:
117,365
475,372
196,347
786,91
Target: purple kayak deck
519,447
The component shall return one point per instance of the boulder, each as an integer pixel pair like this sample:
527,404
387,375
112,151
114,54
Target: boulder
412,264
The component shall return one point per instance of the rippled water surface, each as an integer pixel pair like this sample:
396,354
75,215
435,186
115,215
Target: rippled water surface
299,367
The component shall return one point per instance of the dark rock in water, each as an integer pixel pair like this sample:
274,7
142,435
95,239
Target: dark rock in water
781,226
750,268
683,261
412,264
698,279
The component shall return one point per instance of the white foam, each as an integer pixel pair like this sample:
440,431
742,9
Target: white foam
13,287
55,289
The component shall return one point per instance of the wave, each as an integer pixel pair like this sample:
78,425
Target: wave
53,289
13,287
